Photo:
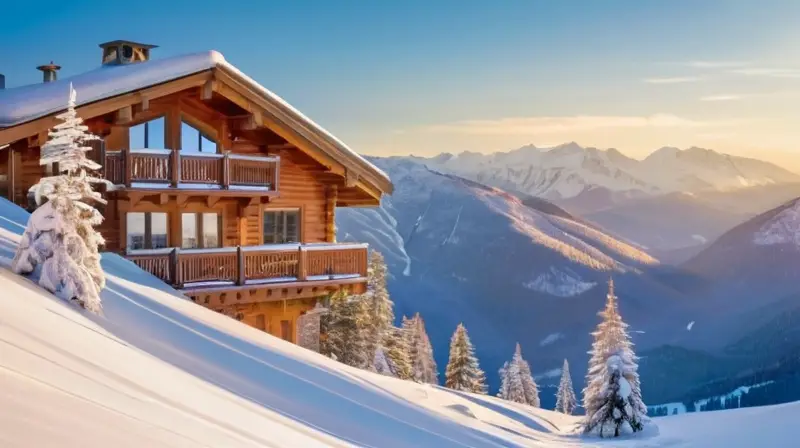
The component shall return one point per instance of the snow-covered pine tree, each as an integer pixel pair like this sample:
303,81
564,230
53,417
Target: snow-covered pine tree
380,306
396,354
565,396
60,236
511,387
528,383
420,350
344,327
463,372
612,397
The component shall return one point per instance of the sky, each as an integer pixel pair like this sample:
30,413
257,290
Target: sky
424,77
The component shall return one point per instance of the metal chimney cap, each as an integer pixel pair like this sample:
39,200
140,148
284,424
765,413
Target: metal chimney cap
48,67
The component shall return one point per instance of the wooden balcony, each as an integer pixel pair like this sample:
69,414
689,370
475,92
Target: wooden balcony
156,169
275,265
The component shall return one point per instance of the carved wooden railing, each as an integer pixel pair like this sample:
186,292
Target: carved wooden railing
253,264
145,167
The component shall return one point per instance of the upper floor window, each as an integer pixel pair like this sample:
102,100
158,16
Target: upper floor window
149,134
201,230
146,230
194,140
281,226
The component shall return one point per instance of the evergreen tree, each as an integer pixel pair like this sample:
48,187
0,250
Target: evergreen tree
60,236
463,372
517,383
612,397
396,354
528,383
565,396
343,326
380,307
420,350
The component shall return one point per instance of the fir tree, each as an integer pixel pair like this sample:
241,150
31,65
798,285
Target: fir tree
565,396
60,236
517,383
396,354
344,329
380,307
420,350
463,372
528,383
612,397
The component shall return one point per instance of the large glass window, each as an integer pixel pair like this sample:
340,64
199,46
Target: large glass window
146,230
147,135
200,230
281,226
195,141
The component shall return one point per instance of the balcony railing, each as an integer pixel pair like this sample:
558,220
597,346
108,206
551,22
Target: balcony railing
253,265
163,168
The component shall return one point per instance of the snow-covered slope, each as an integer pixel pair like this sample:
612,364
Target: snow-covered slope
569,171
159,371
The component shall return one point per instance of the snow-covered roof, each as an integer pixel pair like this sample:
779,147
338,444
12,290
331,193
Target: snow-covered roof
23,104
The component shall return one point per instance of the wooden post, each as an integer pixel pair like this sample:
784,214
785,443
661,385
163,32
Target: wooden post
127,166
302,271
330,214
174,263
12,171
175,168
226,170
242,224
277,173
240,268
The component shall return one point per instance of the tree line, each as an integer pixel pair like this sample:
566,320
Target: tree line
359,330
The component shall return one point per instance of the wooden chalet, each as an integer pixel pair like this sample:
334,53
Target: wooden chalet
220,188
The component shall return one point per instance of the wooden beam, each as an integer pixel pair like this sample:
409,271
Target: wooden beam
145,103
181,199
163,198
212,200
207,90
124,115
350,179
330,213
134,198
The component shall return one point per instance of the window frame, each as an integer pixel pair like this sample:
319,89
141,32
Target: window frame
283,210
198,216
146,132
148,230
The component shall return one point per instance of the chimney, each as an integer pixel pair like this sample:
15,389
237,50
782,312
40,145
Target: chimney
49,72
2,82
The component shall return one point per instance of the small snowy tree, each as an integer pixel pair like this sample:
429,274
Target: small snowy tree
420,350
612,397
463,372
565,396
60,236
517,383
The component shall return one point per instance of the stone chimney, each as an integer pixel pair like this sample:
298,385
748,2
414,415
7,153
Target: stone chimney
49,71
2,82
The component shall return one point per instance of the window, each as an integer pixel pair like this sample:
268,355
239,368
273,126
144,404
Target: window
195,141
200,230
146,230
281,226
147,135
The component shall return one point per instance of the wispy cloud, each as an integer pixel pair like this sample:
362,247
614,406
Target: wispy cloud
716,64
769,72
725,97
551,125
673,80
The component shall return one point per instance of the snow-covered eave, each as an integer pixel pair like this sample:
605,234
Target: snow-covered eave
26,104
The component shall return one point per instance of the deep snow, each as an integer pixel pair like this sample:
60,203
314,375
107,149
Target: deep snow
157,370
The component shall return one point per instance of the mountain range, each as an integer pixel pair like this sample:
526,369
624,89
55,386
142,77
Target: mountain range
514,267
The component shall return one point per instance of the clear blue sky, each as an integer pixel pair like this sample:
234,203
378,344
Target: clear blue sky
394,77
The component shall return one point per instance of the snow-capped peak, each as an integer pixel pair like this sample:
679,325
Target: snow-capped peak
783,228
